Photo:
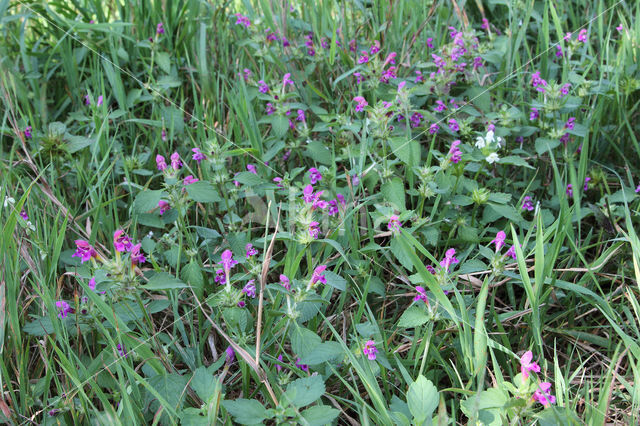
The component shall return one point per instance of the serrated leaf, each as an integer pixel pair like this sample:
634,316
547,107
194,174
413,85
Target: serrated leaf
324,352
544,144
303,341
203,192
319,415
407,151
304,391
248,178
147,200
335,280
164,281
164,61
422,399
413,317
318,152
246,411
393,192
204,383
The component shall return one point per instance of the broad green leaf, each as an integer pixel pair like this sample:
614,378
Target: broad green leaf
323,352
422,399
246,411
303,341
393,192
304,391
203,192
147,200
319,415
164,281
335,280
414,316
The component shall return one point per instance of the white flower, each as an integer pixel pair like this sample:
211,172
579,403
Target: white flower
499,142
480,143
9,201
489,138
492,158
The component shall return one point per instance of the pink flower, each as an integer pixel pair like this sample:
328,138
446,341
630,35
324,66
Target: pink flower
586,183
278,181
582,36
242,20
453,125
227,260
175,161
364,57
160,162
559,51
27,132
449,259
430,42
285,282
543,396
121,241
361,103
314,175
526,365
230,355
538,82
567,37
220,277
454,152
189,180
499,240
421,294
250,289
434,128
619,28
512,252
431,269
198,155
250,251
527,203
164,206
370,350
570,124
314,231
63,309
441,106
638,188
92,283
394,224
375,48
301,117
159,28
569,190
318,275
534,114
84,251
301,366
286,80
99,103
252,169
136,255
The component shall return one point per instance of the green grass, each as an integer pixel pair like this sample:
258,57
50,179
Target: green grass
570,296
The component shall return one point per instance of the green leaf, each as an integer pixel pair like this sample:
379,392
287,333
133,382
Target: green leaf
335,280
164,61
304,391
280,125
544,144
516,161
171,387
191,417
207,233
399,252
324,352
319,415
499,197
204,383
422,399
318,152
147,200
203,192
164,281
76,143
303,341
407,152
246,411
507,211
192,274
393,192
248,178
413,317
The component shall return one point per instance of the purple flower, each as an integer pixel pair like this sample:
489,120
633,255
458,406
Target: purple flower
569,190
499,240
421,294
370,350
538,82
279,365
441,106
361,103
394,224
314,231
24,215
160,162
638,188
565,89
567,37
333,208
250,289
570,124
63,309
252,169
388,75
220,277
586,183
559,51
198,155
163,135
164,206
87,99
303,367
286,80
278,181
512,252
430,42
534,114
230,355
341,199
543,396
159,28
582,36
318,275
270,108
619,28
137,256
449,259
175,161
227,260
250,251
485,24
84,251
314,175
526,365
453,125
477,63
527,203
92,283
285,282
189,180
99,103
375,48
415,119
454,152
364,57
434,128
358,77
121,350
431,269
121,241
242,20
564,138
301,117
419,77
27,132
247,74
